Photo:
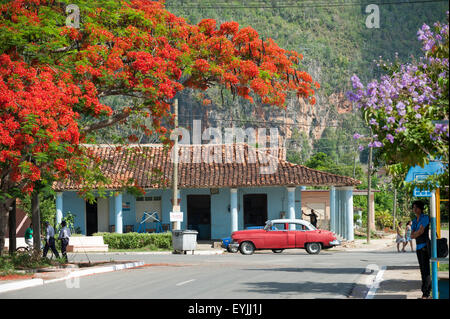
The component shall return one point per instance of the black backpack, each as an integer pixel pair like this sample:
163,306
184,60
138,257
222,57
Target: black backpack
441,247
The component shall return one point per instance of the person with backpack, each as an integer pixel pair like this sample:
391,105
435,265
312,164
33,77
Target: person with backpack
420,232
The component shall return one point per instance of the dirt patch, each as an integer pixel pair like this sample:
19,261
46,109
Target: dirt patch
16,277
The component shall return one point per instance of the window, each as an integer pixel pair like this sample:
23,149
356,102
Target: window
278,227
301,227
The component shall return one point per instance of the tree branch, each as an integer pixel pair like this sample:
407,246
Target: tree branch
105,123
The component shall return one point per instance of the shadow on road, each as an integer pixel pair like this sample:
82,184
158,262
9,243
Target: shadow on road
314,270
307,288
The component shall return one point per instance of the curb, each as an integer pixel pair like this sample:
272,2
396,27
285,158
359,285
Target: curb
75,274
21,284
196,252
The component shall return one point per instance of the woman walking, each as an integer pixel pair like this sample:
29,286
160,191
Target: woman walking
408,235
400,237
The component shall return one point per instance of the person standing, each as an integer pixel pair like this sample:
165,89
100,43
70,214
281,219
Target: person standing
50,240
313,217
29,236
408,235
400,237
64,235
420,232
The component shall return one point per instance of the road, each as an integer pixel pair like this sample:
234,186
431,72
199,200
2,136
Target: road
264,275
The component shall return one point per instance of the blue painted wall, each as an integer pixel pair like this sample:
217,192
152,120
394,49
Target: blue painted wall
74,204
277,202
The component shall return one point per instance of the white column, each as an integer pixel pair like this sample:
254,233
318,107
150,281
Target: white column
118,212
59,208
333,209
349,200
234,209
291,206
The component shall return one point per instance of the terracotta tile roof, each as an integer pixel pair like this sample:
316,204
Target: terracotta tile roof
205,166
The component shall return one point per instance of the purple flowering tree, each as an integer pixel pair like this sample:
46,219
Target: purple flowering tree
407,109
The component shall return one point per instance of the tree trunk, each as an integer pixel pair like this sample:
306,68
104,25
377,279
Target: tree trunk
36,220
12,229
4,214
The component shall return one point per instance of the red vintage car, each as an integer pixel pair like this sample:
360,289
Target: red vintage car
280,234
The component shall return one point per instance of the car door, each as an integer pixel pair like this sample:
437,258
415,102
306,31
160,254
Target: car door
301,235
276,238
291,235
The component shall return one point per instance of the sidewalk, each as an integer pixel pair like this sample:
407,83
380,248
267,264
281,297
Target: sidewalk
60,274
361,244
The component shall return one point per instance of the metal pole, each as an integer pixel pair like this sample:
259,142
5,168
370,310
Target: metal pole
395,206
369,190
175,207
434,270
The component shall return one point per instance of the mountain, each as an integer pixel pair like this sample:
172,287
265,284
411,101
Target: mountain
335,42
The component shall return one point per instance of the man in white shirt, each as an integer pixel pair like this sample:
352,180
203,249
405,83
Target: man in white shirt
50,240
64,235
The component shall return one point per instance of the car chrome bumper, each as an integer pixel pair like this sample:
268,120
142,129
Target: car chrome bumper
335,242
233,245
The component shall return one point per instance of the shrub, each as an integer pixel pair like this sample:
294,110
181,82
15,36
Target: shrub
137,240
383,219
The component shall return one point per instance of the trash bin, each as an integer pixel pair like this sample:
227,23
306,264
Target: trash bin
183,240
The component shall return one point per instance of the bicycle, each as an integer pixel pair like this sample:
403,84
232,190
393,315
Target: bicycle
29,249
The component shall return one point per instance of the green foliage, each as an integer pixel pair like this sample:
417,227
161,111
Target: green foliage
137,240
383,219
47,207
9,264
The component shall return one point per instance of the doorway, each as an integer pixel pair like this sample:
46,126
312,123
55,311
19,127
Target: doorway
255,210
91,218
199,215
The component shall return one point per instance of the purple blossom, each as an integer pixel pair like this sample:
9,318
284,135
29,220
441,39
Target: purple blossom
375,144
357,136
391,119
390,138
356,82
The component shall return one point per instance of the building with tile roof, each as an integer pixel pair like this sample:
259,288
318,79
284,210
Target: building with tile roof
223,188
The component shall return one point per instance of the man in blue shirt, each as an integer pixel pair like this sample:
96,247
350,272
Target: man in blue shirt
420,232
50,240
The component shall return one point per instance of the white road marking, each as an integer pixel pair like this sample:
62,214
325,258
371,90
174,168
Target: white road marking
185,282
376,283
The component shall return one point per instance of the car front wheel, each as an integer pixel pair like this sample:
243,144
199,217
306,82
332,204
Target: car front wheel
233,249
313,248
247,248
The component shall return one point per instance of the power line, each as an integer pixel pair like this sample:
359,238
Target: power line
265,122
287,6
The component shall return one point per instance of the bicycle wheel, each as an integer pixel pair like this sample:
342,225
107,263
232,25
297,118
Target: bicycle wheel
22,249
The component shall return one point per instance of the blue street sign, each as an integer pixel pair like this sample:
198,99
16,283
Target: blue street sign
419,193
419,174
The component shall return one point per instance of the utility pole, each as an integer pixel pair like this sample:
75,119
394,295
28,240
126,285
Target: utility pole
369,190
175,207
395,206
